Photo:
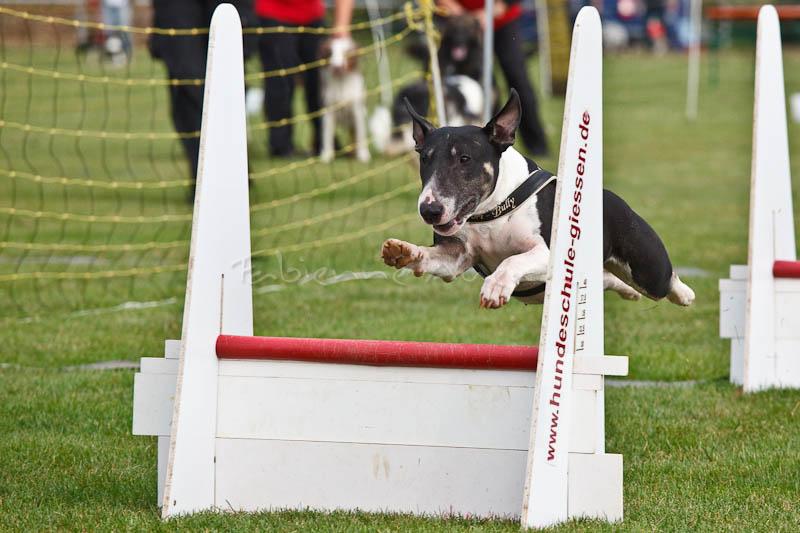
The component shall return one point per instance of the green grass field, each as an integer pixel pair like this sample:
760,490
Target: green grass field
697,457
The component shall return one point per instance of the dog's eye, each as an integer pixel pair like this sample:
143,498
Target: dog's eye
465,158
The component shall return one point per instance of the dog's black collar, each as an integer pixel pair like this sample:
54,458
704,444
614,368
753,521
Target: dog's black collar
534,183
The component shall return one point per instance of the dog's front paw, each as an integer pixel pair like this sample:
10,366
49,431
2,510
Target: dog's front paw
496,290
401,254
363,156
326,156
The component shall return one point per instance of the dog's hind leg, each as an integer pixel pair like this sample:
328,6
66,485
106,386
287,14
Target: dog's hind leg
327,149
679,292
634,253
653,287
625,291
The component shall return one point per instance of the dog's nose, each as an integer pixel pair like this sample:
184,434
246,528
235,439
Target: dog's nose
431,212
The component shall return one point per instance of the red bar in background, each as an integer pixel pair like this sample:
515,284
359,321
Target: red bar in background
379,353
785,12
786,269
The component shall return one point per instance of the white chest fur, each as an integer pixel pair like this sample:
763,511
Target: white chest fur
343,90
517,232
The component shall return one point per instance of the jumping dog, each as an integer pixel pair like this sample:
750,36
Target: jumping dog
491,209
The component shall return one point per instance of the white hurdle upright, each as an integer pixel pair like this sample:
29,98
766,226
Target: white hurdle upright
259,423
758,304
569,474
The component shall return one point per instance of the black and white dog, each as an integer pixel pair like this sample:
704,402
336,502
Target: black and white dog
467,172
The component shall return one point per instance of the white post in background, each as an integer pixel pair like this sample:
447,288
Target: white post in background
695,42
488,59
543,34
382,58
436,73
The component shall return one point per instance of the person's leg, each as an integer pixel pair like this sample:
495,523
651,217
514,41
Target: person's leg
187,116
309,52
185,57
508,51
278,50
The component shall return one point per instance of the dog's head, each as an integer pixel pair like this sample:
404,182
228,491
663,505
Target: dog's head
459,166
462,39
339,51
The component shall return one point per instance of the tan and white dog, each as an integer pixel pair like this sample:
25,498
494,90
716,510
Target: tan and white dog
343,97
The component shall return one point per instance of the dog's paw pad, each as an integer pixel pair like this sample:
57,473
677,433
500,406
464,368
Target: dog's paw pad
400,254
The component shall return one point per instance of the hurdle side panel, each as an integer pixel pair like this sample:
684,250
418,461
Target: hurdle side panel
153,396
161,467
218,264
469,416
771,215
272,474
732,309
595,485
572,322
787,333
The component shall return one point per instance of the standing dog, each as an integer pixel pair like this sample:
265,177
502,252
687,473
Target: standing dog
492,209
344,98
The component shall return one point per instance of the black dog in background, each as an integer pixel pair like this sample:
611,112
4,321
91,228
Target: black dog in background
461,64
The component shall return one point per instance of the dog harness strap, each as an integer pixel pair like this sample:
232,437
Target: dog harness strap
536,181
533,291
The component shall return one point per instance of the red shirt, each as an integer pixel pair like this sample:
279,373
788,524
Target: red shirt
299,12
513,11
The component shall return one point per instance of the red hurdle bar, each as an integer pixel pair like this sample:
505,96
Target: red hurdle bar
786,269
379,353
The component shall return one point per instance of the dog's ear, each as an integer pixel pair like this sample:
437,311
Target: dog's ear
421,126
503,126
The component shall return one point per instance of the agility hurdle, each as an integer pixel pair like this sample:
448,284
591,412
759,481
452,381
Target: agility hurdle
259,423
759,302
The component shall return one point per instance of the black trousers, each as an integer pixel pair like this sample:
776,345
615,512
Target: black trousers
185,57
508,51
287,50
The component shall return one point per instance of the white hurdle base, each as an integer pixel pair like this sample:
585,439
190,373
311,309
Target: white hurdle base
782,364
758,303
428,441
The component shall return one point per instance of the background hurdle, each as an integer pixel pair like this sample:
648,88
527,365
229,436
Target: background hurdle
759,302
252,433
